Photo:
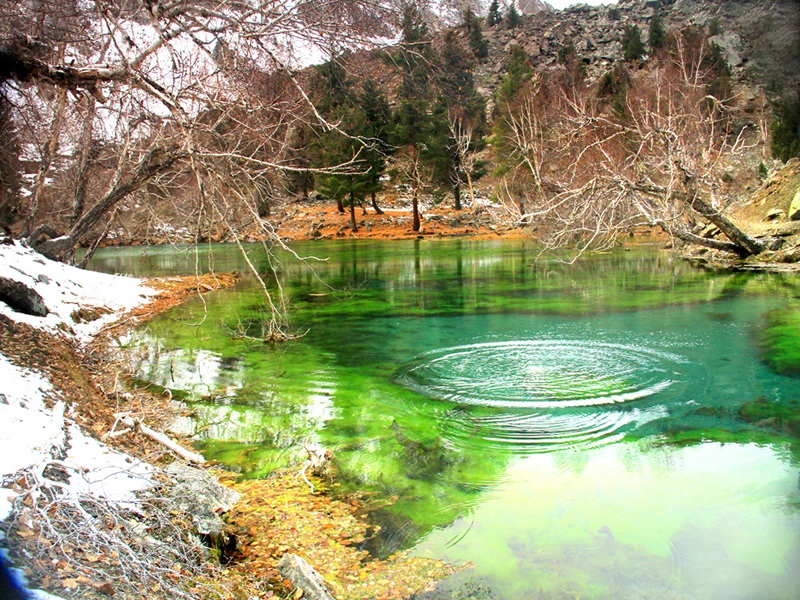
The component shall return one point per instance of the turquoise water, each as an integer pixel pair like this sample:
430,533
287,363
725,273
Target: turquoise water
577,430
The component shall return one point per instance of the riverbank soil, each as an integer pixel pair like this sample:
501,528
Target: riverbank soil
319,219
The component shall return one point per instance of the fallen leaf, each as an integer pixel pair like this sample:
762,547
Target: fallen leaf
106,588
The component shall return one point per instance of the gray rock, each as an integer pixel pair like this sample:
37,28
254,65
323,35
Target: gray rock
304,576
199,494
731,46
794,207
22,298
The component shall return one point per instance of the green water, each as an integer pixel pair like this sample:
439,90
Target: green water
623,427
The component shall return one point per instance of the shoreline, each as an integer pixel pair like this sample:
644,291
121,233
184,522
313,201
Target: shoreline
82,377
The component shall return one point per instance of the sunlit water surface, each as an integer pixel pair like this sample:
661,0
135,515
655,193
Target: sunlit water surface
572,430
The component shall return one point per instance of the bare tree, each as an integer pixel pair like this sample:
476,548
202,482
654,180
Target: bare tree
652,155
160,86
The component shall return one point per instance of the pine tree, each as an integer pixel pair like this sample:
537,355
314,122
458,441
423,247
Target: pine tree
343,149
411,118
377,118
632,45
460,107
513,18
518,73
478,44
657,35
495,16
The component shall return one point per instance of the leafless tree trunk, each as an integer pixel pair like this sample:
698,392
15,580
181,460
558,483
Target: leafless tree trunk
596,173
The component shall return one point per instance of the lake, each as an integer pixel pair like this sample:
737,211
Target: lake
622,427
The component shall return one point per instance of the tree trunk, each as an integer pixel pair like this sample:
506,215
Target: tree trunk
48,155
378,211
457,196
745,245
353,225
155,162
691,238
415,224
339,205
85,161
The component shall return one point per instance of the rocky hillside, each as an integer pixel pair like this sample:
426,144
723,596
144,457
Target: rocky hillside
760,39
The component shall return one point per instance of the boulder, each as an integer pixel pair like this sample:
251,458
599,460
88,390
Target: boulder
305,577
198,493
22,298
794,207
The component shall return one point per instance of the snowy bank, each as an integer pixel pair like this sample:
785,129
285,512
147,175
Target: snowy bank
69,292
37,430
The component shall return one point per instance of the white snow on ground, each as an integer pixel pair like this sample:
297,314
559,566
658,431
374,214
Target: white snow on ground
65,289
35,428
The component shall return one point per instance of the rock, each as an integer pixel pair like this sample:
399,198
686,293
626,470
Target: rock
775,214
305,577
794,207
730,44
198,493
22,298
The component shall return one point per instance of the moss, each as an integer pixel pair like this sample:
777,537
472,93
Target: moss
782,417
780,341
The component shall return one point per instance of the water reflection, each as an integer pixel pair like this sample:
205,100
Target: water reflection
527,417
631,521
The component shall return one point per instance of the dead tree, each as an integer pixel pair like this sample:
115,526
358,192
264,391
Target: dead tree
653,157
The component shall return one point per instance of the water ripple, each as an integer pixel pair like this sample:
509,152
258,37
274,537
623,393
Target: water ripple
541,373
542,395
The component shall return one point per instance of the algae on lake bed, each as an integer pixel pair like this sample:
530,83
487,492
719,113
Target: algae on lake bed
623,381
780,341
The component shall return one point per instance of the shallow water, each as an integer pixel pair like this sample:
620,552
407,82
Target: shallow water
572,430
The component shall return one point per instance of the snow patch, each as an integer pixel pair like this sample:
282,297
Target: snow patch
35,430
66,289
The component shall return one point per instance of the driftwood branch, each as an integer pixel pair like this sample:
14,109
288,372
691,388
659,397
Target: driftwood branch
130,423
318,459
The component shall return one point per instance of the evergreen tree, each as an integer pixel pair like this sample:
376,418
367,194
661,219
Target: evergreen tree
657,34
632,45
299,180
569,58
513,18
495,16
460,108
330,85
353,179
785,129
518,73
411,118
377,118
359,141
415,53
478,44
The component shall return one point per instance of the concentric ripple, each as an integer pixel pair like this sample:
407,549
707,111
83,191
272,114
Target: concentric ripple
543,395
541,373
